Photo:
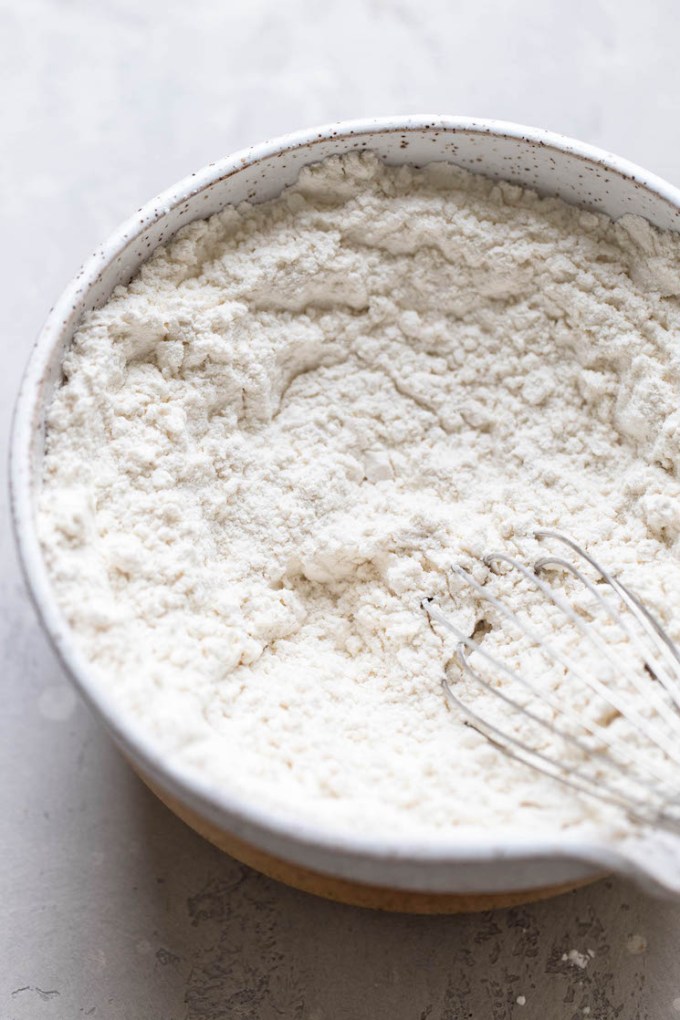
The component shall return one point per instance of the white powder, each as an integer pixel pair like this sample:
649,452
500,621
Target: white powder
273,444
580,960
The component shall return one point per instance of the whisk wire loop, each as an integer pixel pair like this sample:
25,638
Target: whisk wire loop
605,758
573,776
556,655
647,620
546,697
659,670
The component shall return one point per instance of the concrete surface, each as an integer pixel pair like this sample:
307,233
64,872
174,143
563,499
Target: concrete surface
109,907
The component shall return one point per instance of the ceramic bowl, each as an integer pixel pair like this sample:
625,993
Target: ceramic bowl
451,872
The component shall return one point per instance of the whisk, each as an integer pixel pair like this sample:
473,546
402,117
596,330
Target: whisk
621,744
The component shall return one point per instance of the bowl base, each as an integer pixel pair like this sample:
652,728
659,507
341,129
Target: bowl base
355,894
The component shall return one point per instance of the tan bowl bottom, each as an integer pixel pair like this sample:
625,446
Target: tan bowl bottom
355,894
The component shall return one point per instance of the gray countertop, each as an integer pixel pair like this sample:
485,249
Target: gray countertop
109,906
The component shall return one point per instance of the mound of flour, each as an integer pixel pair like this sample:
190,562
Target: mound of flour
273,444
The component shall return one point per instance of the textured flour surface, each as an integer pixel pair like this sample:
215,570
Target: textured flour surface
271,446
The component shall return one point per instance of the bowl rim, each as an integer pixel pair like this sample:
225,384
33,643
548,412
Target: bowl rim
214,802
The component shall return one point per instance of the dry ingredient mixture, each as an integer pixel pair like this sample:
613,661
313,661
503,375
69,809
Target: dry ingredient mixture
272,444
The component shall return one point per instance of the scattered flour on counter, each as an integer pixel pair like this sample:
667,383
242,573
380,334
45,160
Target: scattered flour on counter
580,960
272,445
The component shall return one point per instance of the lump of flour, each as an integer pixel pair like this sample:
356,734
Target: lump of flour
273,444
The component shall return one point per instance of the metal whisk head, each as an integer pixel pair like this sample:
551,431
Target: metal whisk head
599,713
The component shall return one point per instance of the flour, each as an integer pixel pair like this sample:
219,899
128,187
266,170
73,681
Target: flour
273,444
580,960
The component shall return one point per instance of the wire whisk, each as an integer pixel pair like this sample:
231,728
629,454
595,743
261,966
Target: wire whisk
594,703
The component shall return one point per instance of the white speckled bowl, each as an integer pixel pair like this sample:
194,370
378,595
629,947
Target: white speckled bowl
452,872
